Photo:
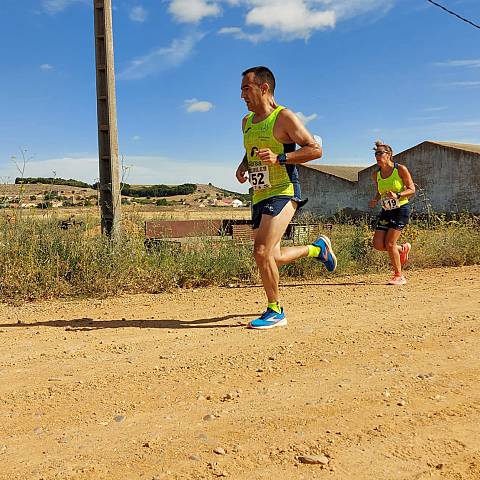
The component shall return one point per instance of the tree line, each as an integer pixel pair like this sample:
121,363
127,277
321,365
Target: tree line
52,181
158,190
127,189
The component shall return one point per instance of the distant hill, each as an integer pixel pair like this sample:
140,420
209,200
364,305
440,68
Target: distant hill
138,190
74,192
204,194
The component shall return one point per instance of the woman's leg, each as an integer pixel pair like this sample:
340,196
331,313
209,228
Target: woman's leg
393,249
379,240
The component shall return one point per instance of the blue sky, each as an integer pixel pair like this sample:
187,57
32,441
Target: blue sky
403,71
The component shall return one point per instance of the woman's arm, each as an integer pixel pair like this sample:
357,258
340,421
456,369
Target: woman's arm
409,189
374,200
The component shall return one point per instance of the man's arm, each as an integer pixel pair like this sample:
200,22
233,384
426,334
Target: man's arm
292,128
289,129
242,170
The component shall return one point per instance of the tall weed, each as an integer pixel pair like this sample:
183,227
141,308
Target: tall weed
40,260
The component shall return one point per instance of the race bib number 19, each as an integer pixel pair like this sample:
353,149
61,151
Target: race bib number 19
259,177
390,203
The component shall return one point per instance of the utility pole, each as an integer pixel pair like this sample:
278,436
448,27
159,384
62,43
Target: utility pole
109,188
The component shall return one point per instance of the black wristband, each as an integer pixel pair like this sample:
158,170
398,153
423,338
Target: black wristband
282,158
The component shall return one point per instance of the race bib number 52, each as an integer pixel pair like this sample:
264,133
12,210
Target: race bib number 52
259,177
390,203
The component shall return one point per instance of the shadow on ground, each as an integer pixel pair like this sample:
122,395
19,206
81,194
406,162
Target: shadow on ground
315,284
88,324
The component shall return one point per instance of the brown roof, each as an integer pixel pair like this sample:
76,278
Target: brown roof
346,172
469,147
350,173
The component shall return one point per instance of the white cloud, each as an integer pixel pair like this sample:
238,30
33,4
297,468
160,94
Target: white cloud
291,18
464,83
434,109
294,19
347,9
474,63
306,118
430,118
192,11
138,14
55,6
239,34
471,63
194,105
160,59
46,66
136,138
230,30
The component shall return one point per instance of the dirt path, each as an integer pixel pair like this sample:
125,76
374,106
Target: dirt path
382,382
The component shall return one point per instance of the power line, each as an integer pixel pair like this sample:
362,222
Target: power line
453,13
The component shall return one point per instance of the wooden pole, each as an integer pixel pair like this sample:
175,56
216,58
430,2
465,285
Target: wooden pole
109,186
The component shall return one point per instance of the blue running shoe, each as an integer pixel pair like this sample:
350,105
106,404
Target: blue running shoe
327,257
269,319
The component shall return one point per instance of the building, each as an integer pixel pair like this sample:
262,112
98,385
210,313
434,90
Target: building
446,175
329,189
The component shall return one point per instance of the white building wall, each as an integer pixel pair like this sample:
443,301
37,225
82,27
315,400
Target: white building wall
326,193
448,179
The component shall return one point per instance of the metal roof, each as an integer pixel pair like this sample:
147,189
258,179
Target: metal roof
346,172
350,173
468,147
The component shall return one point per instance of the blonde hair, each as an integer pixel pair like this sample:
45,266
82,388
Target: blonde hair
388,148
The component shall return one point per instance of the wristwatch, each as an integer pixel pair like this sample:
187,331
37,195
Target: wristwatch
282,158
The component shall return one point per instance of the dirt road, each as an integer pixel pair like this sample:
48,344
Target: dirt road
373,381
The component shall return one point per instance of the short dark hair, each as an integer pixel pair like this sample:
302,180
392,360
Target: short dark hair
264,75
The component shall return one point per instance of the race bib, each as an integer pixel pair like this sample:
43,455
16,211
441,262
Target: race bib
259,177
390,203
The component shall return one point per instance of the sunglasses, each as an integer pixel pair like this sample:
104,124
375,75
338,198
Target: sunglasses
380,152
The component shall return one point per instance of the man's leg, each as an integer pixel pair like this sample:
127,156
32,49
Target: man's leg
286,255
267,247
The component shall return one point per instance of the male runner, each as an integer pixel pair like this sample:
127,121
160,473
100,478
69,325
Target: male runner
270,134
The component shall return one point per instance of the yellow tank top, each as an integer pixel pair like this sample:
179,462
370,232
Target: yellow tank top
267,180
393,183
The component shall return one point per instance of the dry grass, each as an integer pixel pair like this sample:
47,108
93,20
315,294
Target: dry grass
144,212
40,260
